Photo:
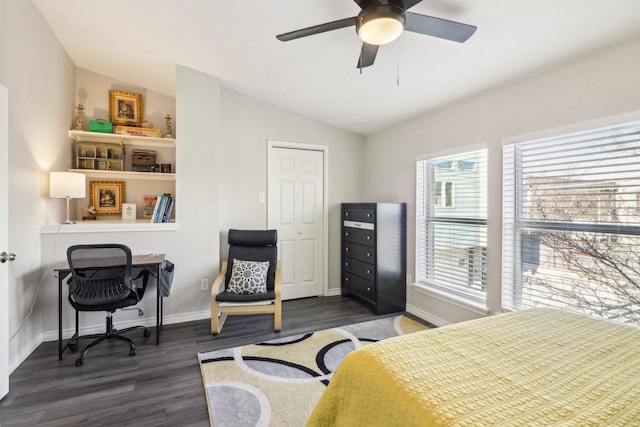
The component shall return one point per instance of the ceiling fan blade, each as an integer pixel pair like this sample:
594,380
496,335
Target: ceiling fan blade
367,55
317,29
365,3
438,27
405,4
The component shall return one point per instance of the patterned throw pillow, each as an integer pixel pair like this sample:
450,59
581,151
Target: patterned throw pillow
248,277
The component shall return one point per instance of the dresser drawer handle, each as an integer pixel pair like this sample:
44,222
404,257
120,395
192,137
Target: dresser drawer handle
346,249
346,279
368,254
368,271
346,263
368,289
346,234
369,215
346,214
368,237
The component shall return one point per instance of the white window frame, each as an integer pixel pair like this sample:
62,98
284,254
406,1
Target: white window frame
512,223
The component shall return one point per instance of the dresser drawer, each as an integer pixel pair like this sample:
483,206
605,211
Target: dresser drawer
359,214
360,268
358,235
361,252
365,289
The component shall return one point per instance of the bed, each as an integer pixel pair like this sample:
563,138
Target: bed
537,366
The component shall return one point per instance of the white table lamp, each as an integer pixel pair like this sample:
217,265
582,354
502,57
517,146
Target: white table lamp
67,185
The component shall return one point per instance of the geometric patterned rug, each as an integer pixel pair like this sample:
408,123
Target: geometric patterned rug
278,382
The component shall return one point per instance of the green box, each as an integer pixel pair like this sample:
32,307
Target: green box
100,125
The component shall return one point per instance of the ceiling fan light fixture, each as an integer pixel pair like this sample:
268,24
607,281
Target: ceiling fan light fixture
380,25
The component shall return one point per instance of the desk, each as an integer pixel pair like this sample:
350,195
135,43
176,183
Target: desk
152,262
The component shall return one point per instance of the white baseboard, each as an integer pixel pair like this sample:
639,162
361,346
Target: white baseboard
426,316
25,352
149,322
334,292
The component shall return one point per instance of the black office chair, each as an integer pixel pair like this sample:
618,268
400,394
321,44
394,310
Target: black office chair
255,286
101,280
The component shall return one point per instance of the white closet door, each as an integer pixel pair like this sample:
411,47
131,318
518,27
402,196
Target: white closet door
296,189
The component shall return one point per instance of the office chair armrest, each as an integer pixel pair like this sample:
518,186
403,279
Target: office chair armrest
218,284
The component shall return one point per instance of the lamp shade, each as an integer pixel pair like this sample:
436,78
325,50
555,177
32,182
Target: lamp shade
67,184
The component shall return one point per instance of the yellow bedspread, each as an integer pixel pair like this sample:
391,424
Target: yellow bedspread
529,368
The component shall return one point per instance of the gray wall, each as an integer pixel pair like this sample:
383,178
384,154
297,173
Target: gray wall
590,88
40,78
247,125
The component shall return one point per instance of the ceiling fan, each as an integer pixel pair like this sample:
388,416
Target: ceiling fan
382,21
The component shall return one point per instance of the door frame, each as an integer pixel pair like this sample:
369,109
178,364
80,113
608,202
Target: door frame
4,245
271,144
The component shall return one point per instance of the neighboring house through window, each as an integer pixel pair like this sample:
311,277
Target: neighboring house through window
451,223
444,194
571,224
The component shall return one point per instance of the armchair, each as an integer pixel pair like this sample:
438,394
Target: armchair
250,280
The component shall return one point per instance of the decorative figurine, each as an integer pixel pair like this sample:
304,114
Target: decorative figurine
169,130
89,213
79,116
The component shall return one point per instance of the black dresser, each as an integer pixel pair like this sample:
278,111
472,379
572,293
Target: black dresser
374,254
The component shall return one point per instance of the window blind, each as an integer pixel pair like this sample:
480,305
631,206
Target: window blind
451,222
571,223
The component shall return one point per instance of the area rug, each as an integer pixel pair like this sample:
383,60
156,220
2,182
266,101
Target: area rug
278,382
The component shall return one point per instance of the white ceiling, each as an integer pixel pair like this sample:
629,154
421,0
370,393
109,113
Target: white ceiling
140,42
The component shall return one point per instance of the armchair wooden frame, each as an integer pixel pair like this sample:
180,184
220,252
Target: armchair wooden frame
221,310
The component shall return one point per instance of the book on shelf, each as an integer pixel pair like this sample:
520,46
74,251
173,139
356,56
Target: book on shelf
137,131
169,211
148,206
163,208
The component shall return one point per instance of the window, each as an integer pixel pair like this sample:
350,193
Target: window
444,194
451,223
571,226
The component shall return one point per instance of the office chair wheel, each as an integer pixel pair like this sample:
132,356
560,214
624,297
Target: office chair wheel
78,362
147,333
132,352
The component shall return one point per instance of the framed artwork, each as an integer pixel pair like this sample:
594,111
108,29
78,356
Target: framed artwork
107,197
125,108
148,206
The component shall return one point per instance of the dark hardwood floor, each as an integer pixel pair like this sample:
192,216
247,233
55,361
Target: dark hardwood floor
161,385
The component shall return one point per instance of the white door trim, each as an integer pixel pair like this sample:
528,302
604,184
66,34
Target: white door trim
271,144
4,242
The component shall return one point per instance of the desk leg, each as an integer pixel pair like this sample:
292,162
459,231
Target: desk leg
158,310
60,278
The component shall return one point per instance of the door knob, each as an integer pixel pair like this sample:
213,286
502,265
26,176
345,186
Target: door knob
4,257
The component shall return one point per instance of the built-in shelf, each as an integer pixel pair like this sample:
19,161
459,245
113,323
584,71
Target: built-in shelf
107,226
147,176
109,148
138,141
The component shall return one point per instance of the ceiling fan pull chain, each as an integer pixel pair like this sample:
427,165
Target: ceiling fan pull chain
398,65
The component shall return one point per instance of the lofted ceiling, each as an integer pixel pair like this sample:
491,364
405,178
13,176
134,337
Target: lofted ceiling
140,42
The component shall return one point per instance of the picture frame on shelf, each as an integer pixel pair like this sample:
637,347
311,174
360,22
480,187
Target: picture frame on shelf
107,197
148,206
125,108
